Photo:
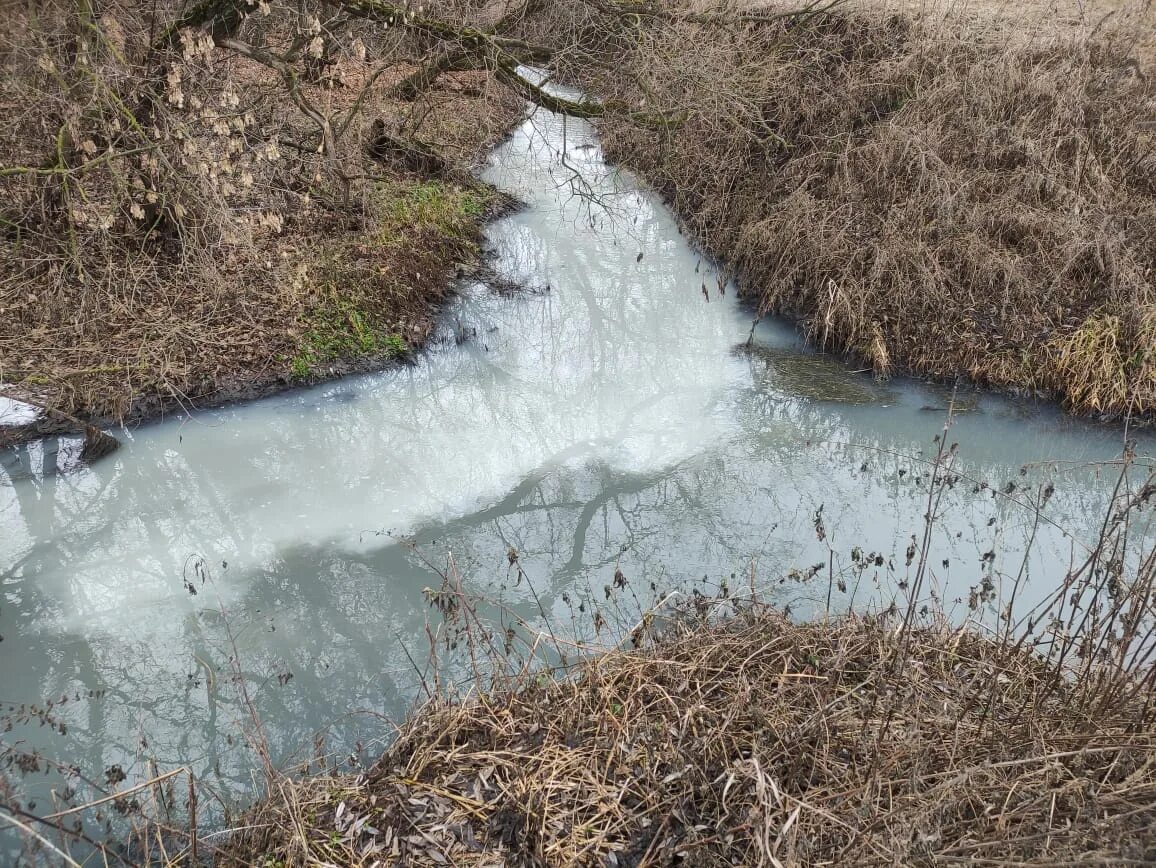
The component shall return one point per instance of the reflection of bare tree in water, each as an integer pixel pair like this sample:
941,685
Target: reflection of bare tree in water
571,526
596,195
314,626
65,680
335,616
119,697
587,192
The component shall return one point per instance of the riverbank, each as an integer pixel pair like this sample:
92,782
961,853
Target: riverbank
754,741
948,194
239,259
958,192
365,298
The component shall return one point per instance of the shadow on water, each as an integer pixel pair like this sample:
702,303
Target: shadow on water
811,376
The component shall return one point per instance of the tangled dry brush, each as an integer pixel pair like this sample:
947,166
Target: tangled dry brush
196,213
756,742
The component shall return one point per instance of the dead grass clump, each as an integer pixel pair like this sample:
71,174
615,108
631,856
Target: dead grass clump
947,197
1110,361
753,742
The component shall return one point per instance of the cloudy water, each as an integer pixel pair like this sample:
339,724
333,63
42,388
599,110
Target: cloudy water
613,416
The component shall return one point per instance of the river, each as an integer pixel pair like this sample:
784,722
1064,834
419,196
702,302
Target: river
611,416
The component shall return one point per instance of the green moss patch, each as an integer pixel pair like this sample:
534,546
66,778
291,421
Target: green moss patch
370,297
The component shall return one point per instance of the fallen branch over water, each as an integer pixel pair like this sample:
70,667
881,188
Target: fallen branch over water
54,422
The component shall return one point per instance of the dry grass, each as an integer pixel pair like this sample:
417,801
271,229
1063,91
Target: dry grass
218,255
947,195
753,742
949,189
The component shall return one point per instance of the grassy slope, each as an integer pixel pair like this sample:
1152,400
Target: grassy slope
283,273
948,196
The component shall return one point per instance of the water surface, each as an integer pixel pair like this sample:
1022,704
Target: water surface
612,417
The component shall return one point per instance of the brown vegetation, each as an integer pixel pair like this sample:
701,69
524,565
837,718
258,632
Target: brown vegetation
175,225
945,196
755,742
718,732
193,201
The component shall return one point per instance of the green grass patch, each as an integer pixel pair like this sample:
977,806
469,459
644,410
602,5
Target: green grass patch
338,329
428,209
365,290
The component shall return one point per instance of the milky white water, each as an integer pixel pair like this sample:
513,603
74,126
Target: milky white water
602,419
